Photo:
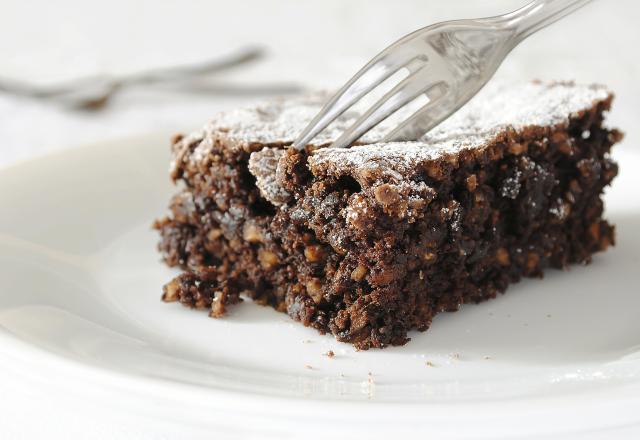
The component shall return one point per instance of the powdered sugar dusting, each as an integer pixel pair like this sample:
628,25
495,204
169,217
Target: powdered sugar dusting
263,164
281,120
491,112
498,107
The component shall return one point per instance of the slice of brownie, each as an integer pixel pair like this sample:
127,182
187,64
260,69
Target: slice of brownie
372,241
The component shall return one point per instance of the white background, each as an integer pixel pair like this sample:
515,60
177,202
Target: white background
310,43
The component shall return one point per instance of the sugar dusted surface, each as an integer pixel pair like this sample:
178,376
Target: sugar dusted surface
498,107
281,120
262,164
494,110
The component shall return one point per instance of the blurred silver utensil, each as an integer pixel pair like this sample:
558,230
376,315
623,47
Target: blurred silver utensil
92,93
448,62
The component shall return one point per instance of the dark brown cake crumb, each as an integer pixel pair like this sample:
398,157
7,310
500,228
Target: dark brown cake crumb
370,249
202,292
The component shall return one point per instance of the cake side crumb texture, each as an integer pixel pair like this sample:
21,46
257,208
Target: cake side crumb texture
372,241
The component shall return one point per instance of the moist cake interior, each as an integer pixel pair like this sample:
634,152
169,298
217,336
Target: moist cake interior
370,242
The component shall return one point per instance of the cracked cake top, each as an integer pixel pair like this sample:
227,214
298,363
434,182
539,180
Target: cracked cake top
498,109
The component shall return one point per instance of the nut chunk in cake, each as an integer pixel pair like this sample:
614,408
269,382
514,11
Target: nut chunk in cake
370,242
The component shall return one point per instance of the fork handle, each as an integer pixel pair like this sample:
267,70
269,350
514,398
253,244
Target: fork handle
540,13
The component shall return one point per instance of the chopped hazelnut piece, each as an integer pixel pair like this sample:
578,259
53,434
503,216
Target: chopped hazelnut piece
435,171
176,138
252,233
517,149
472,183
532,260
217,309
201,303
267,259
214,234
563,143
171,291
314,253
429,256
386,194
359,273
314,289
502,255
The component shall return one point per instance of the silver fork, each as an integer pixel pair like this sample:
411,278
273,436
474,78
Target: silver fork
94,92
448,62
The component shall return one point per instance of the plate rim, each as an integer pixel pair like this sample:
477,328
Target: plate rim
31,356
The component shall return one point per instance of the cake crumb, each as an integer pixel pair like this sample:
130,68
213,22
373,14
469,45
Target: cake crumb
429,364
371,386
308,367
330,354
359,273
334,183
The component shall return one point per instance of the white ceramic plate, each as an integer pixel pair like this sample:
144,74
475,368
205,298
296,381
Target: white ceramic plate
80,284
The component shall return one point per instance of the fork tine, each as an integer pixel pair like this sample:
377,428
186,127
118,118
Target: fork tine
420,122
369,77
402,94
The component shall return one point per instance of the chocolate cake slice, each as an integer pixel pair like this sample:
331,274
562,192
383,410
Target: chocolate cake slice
372,241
